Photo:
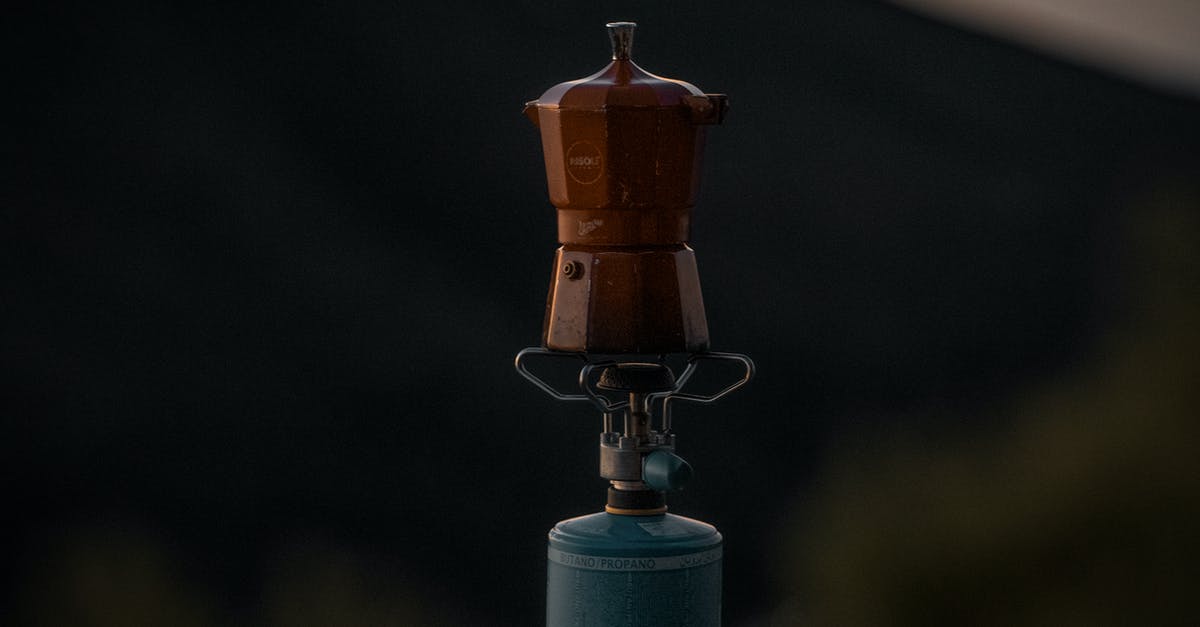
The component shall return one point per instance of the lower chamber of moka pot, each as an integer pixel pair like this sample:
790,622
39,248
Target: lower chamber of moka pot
625,300
609,570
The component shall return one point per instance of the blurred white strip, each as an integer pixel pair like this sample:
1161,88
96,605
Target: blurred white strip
1153,41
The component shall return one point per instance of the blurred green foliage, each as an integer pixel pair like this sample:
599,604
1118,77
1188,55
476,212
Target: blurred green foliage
1084,510
121,575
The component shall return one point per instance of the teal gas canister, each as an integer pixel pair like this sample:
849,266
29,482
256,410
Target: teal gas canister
610,570
622,152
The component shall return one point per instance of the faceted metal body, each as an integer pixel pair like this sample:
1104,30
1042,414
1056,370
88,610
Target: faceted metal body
621,175
626,300
622,150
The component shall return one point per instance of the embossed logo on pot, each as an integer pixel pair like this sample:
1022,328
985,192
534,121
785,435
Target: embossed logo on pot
584,162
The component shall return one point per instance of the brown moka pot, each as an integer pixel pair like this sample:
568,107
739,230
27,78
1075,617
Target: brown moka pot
622,150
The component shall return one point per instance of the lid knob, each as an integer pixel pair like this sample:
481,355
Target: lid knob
621,34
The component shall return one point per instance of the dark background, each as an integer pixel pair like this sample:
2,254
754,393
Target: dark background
267,267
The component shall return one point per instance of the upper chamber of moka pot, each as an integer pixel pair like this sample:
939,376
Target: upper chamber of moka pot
622,152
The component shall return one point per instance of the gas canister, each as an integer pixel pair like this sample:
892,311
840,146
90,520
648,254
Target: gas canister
609,569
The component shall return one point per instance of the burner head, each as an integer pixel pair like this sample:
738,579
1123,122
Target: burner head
637,377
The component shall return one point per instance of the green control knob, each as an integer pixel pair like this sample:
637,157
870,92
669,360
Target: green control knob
664,470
